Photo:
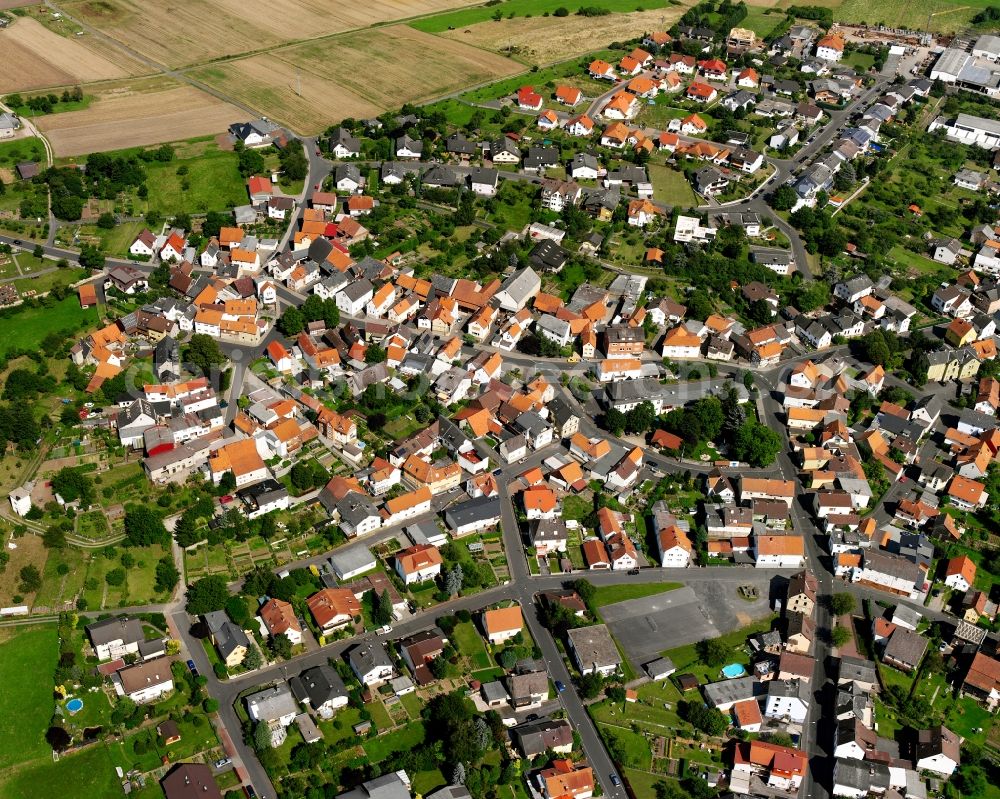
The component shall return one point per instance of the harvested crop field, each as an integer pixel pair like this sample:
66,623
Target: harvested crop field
359,81
542,40
124,117
34,58
196,31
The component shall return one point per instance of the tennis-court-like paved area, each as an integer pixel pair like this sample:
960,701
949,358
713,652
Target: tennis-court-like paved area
702,609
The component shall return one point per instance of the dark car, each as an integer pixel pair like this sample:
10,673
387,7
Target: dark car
560,687
633,571
615,781
497,472
250,792
190,665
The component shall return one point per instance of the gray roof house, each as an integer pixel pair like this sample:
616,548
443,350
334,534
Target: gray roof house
536,737
395,785
726,693
229,639
114,637
517,289
594,649
321,688
350,562
370,662
475,514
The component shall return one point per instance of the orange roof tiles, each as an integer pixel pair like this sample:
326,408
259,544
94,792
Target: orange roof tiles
502,620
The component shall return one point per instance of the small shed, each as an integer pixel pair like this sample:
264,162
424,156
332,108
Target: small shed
169,732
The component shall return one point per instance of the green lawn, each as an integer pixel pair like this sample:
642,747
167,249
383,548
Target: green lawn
401,740
380,716
87,775
760,21
214,183
643,783
521,8
862,62
920,263
629,749
670,186
29,149
27,660
25,112
50,280
467,639
412,704
25,327
424,782
893,676
686,658
118,239
966,716
610,594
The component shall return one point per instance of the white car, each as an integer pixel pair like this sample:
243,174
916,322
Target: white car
385,629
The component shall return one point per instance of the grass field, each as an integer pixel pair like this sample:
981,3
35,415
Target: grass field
761,22
26,704
27,149
670,186
87,775
522,8
610,594
860,61
42,283
26,327
213,178
407,737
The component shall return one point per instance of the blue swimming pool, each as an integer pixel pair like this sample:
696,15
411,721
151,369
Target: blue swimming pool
74,705
733,670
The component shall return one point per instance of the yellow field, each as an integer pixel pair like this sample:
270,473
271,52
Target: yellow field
196,31
34,57
542,40
139,114
358,81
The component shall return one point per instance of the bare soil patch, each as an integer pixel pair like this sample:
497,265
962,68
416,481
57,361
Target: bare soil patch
35,57
196,31
306,89
126,118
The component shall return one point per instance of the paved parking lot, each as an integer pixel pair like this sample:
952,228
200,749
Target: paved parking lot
701,609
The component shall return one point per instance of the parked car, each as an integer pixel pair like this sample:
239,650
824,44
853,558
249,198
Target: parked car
222,762
560,687
190,665
385,629
614,780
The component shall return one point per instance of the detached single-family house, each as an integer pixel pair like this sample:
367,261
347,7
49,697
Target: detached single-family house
502,624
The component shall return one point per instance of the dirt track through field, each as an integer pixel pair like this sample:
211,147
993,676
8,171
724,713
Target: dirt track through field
132,119
34,57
